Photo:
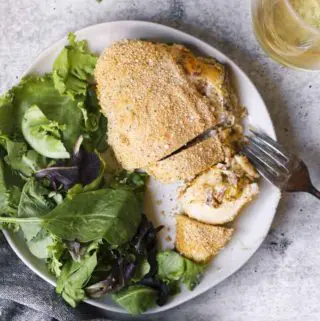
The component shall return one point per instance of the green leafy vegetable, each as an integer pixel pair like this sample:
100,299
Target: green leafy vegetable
76,274
136,298
10,191
113,215
42,134
55,253
96,124
141,270
110,214
73,67
134,181
171,265
39,244
40,91
6,114
34,202
21,159
192,274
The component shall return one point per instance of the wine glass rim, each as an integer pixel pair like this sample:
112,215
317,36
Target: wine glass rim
300,19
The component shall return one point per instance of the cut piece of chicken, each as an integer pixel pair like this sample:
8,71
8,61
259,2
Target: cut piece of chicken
218,195
198,241
159,97
187,163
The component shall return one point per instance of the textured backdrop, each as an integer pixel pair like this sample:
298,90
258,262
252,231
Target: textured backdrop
282,280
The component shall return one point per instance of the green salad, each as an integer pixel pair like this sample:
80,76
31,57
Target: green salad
90,230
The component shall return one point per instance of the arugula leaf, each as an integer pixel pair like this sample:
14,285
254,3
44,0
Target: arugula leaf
42,134
40,91
136,298
34,202
171,265
21,159
73,67
110,214
75,275
113,215
192,274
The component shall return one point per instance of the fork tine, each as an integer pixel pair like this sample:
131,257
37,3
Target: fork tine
256,154
276,147
264,169
274,159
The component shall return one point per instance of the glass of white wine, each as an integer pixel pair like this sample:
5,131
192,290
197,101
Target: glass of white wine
289,31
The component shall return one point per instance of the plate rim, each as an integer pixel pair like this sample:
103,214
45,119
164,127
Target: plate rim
204,44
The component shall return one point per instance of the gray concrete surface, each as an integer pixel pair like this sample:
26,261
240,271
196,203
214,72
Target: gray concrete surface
282,280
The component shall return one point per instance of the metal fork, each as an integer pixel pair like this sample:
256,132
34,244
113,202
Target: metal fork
277,165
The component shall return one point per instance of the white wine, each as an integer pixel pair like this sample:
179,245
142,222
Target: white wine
289,31
308,10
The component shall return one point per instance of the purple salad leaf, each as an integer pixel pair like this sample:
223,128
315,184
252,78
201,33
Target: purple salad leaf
83,168
145,243
66,176
89,166
118,278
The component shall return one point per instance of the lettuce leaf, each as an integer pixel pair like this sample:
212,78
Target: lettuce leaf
55,254
171,266
10,191
40,91
73,68
192,274
42,134
174,267
20,159
136,298
39,244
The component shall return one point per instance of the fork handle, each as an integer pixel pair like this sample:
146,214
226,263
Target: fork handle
312,190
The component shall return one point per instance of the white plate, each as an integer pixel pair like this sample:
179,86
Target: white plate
252,226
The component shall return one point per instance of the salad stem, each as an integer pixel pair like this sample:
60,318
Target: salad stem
19,219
